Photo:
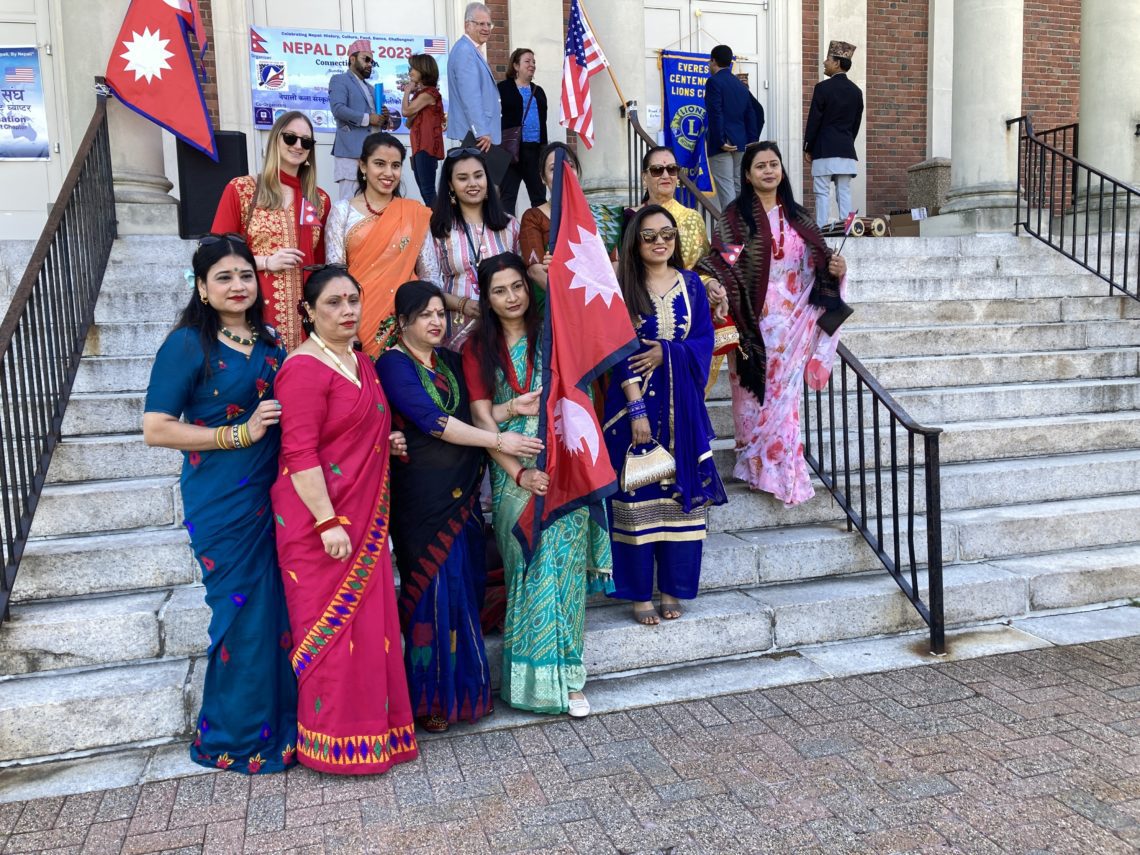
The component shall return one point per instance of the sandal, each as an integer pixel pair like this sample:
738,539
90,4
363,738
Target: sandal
671,611
579,707
434,723
646,615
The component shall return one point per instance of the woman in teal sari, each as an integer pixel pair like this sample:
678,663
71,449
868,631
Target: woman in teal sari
217,369
544,629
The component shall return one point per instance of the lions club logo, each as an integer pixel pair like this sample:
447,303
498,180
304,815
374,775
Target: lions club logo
688,126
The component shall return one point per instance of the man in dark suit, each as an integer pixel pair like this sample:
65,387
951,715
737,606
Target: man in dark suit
829,138
733,119
353,105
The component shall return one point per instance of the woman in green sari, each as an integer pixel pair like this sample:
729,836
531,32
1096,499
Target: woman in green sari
544,630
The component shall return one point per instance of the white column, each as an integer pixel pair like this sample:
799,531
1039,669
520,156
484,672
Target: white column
143,202
846,21
620,27
987,92
1110,88
939,78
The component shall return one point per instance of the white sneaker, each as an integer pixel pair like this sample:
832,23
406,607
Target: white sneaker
579,707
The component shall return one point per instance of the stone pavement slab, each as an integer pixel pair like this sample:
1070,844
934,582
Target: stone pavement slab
1032,749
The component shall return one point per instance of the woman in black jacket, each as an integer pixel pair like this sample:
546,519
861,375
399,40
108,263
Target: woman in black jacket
524,119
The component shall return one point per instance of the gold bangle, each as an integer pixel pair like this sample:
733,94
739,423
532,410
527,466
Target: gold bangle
498,440
219,438
246,439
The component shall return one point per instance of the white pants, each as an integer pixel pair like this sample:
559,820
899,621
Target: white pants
725,169
344,174
821,186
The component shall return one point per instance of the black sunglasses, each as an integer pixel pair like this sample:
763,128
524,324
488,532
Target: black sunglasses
211,239
313,268
657,169
291,139
457,153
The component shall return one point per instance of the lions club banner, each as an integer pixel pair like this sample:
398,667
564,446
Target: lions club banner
684,76
290,70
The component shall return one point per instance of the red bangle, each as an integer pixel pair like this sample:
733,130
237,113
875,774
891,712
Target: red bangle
519,474
331,522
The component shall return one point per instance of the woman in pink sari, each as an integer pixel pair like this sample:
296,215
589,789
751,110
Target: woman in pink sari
330,500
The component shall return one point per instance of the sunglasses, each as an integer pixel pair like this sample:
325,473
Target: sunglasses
470,151
666,234
314,268
658,169
367,59
292,139
211,239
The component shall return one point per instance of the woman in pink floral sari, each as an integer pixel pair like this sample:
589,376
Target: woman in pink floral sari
766,253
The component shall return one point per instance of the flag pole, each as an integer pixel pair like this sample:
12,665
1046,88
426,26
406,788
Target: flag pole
613,78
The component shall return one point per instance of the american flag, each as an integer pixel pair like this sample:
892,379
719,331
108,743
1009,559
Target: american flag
20,75
584,59
435,46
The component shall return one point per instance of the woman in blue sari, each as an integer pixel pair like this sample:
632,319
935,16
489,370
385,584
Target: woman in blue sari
216,370
657,396
544,629
437,523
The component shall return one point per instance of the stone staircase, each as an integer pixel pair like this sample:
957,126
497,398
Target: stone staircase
1032,371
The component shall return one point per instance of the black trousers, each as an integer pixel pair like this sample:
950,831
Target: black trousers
528,170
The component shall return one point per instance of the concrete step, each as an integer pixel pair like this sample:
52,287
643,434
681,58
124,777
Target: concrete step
54,713
113,374
166,251
983,484
1029,529
997,287
107,506
1008,311
133,338
867,343
97,458
948,405
103,413
118,306
938,265
1078,578
105,563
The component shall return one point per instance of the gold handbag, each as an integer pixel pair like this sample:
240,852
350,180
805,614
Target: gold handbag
653,466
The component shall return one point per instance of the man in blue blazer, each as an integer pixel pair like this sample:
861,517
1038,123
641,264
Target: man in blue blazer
733,119
473,111
353,105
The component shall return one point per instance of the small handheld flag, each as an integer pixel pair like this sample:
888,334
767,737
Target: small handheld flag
308,214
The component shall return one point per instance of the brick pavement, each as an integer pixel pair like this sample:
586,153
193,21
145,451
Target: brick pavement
1026,752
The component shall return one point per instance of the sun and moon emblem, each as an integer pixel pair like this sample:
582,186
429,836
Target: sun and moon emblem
592,268
147,55
574,425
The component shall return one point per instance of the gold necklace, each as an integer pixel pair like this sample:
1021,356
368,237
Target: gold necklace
340,365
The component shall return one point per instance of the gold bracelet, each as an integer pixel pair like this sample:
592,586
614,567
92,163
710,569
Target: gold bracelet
220,439
511,408
246,439
498,440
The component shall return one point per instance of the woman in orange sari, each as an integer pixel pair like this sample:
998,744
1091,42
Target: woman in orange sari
331,510
381,237
267,210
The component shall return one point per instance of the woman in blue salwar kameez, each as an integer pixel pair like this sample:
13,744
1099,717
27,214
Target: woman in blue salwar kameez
657,395
211,397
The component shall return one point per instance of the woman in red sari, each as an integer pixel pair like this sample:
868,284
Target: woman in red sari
331,503
266,210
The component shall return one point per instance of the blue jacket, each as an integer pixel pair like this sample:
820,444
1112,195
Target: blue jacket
732,115
473,96
349,107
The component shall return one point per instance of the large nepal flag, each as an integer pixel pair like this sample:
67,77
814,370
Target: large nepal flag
152,71
587,331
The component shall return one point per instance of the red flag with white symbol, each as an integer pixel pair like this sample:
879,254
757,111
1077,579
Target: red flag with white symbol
730,252
151,70
309,216
587,332
850,221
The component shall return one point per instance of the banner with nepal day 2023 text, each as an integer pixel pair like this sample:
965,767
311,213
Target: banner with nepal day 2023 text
684,76
290,70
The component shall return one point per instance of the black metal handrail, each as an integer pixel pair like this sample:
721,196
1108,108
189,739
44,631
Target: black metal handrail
878,496
882,527
43,333
1081,212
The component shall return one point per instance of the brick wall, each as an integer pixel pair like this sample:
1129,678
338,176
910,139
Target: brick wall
210,88
812,74
1051,72
894,118
499,47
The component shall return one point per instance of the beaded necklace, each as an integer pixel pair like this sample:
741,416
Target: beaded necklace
512,375
372,210
340,365
244,342
428,382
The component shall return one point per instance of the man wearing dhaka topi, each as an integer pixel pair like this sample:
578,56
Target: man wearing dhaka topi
352,104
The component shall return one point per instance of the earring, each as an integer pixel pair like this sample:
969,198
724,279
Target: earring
205,300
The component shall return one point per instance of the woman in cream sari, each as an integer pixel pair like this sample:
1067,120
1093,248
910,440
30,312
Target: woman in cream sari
380,237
